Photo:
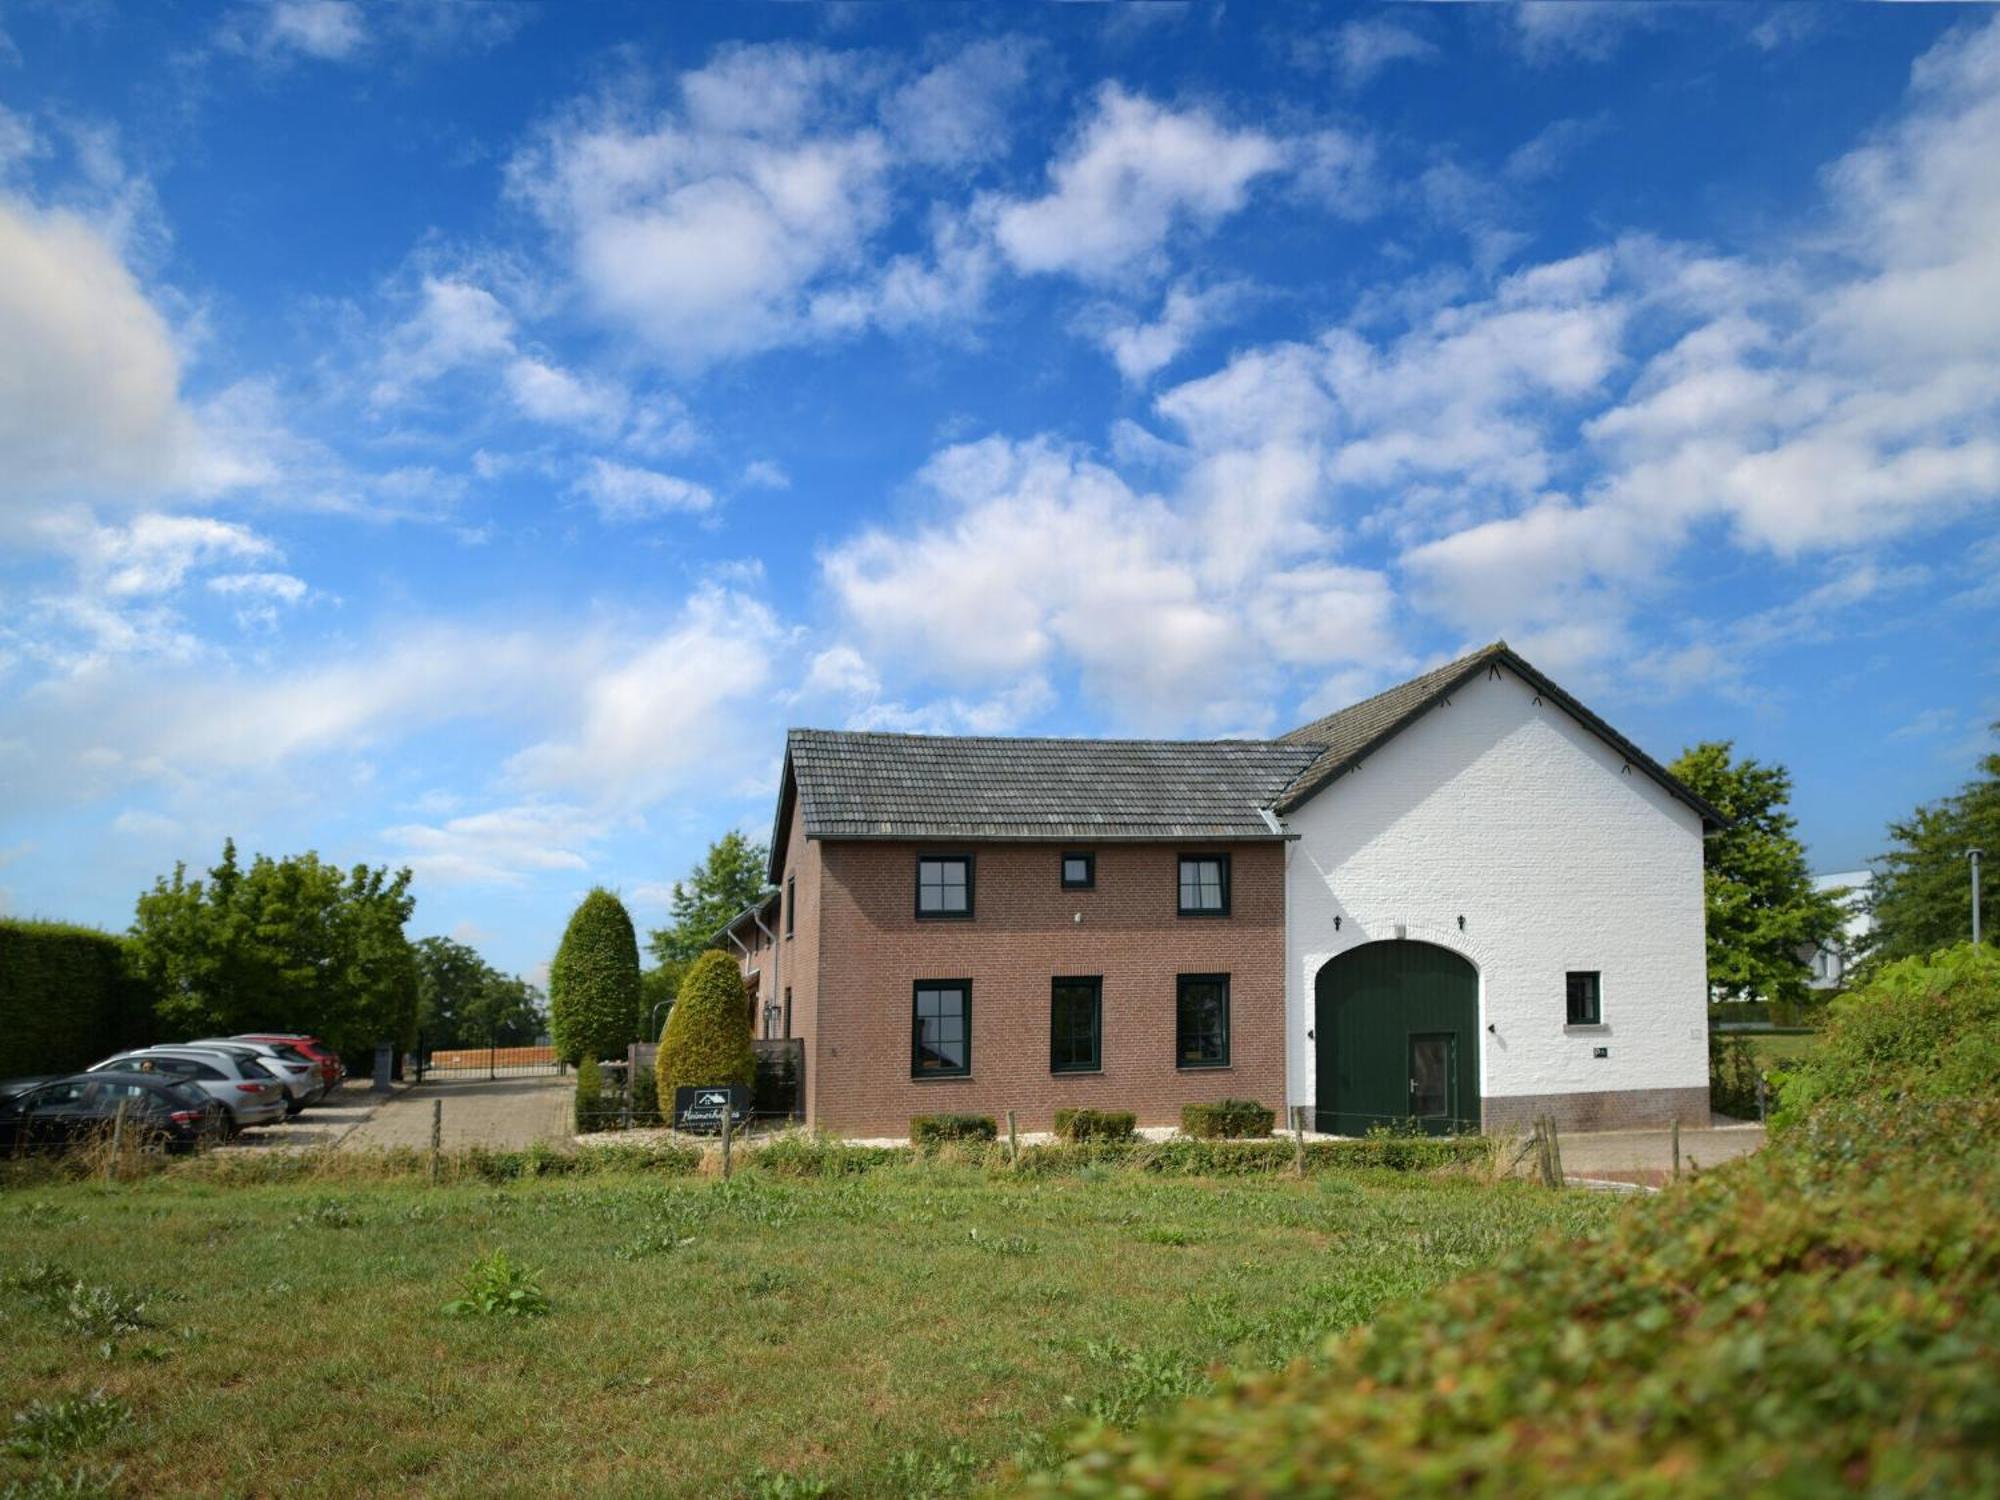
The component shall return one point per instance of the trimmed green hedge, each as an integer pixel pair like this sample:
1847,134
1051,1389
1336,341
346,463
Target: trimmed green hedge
707,1038
1227,1119
935,1130
67,998
1818,1319
1095,1124
590,1104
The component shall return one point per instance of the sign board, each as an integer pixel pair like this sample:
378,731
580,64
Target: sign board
699,1110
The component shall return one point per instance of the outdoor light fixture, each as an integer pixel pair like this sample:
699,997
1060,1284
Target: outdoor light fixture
1461,921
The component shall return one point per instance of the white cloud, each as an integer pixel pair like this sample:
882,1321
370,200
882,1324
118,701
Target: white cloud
1142,349
325,29
502,846
1136,172
1550,31
90,402
548,393
1361,49
623,493
765,474
956,112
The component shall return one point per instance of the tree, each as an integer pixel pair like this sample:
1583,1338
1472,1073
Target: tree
594,981
1922,897
728,879
707,1039
289,944
465,1002
1764,917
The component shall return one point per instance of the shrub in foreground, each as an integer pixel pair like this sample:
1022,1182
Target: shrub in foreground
935,1130
1818,1319
707,1040
1227,1119
1924,1028
499,1286
1095,1124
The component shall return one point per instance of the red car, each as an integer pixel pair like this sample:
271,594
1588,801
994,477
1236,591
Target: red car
329,1062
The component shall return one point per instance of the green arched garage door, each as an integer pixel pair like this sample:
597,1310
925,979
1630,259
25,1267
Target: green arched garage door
1396,1035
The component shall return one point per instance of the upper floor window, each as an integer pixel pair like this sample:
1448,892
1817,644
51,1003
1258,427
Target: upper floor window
1079,871
791,904
1586,998
1204,885
944,885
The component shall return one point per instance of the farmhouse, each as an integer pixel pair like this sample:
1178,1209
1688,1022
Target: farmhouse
1465,901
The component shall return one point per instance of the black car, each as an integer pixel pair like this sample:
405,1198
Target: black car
52,1114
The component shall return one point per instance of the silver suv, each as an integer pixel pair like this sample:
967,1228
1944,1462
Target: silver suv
237,1081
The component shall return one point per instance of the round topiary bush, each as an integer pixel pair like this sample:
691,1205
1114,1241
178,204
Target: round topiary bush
594,981
707,1040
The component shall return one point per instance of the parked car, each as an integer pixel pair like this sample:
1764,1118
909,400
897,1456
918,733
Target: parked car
298,1073
53,1114
330,1066
239,1082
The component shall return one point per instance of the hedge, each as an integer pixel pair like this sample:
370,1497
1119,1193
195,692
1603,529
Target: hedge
590,1114
707,1040
935,1130
1227,1118
67,998
1095,1124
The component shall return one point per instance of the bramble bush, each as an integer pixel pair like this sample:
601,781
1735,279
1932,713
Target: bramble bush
1922,1028
1816,1319
1227,1119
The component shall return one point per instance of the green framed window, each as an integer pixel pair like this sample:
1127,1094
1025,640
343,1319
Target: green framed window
1201,1021
944,886
1076,1024
941,1028
1586,997
1204,885
1079,870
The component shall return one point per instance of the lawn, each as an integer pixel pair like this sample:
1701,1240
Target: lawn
1780,1050
900,1333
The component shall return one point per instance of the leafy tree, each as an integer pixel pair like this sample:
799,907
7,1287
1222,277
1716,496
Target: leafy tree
594,981
707,1039
289,944
728,879
1922,898
658,987
465,1002
1764,917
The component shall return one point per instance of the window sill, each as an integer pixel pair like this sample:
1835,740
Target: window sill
1206,915
1569,1026
1076,1072
1204,1067
940,1078
944,916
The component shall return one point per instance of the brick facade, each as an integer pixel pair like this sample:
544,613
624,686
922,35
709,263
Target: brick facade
858,947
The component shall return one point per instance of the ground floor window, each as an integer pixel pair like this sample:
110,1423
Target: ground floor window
1076,1015
941,1028
1586,998
1201,1021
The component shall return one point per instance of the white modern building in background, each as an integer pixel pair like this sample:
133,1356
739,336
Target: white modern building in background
1830,961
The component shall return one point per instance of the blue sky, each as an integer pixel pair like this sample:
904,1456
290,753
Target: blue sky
465,436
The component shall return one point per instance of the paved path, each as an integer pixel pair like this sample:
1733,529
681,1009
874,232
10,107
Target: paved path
1647,1155
505,1114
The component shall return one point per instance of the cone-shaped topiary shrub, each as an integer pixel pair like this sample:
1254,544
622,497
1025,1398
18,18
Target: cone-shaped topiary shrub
707,1040
594,981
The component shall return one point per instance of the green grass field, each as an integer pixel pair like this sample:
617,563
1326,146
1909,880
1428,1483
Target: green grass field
1784,1049
897,1334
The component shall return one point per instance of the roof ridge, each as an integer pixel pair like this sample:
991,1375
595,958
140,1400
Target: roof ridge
1260,742
1490,649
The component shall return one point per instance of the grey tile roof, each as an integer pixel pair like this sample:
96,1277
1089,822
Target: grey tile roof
869,785
1349,736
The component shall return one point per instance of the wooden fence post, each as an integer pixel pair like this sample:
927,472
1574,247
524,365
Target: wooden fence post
1013,1142
1299,1139
728,1121
437,1136
1677,1148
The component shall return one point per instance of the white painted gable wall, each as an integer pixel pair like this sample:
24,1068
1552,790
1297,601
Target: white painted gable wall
1523,821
